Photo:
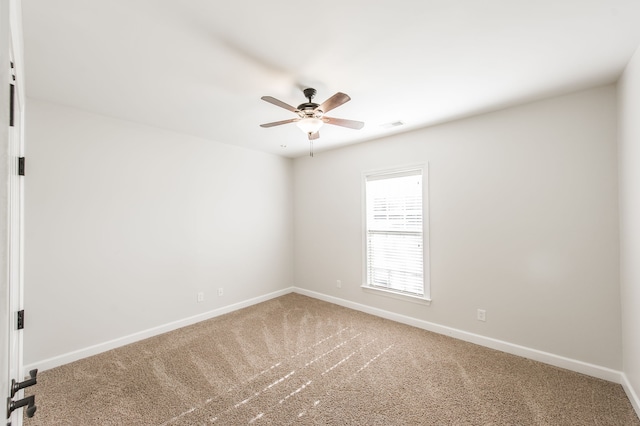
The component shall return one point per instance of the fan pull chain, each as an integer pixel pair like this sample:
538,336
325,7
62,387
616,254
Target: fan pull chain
311,148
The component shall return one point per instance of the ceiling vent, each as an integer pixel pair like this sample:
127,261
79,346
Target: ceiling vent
392,124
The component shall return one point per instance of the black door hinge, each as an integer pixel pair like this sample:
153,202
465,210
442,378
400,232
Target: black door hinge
21,166
21,319
12,95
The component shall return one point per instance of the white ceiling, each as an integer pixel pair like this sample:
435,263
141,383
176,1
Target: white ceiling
200,66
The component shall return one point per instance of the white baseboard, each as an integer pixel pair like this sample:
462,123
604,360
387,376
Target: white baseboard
141,335
631,394
534,354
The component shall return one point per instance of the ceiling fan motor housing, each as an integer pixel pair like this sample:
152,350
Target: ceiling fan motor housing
309,109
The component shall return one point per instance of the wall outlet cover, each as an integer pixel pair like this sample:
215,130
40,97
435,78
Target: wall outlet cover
482,315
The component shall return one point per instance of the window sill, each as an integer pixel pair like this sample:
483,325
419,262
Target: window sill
395,295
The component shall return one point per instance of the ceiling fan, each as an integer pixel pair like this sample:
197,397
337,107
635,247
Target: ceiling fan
310,116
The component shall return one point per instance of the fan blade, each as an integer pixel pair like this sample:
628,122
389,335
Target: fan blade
313,136
334,102
352,124
279,103
277,123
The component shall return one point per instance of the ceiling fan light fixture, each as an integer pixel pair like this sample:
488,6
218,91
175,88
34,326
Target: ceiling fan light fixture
309,124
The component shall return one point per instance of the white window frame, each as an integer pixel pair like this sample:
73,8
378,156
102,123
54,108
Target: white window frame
425,298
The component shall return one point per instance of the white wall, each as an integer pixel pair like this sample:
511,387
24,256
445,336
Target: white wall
523,221
629,165
126,223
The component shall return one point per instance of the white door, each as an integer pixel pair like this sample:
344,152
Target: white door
13,151
15,235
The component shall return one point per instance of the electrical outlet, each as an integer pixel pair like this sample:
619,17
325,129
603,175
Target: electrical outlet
200,297
482,315
220,291
338,283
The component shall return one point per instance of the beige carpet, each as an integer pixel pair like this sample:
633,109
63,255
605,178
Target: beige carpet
297,360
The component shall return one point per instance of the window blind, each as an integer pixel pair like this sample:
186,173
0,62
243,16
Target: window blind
394,229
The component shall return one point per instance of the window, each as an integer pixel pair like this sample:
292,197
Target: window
395,249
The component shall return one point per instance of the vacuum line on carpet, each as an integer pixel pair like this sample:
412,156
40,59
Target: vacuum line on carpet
373,359
345,359
319,357
280,380
301,388
337,385
320,342
256,418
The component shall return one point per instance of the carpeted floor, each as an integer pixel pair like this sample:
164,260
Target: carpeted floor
297,360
